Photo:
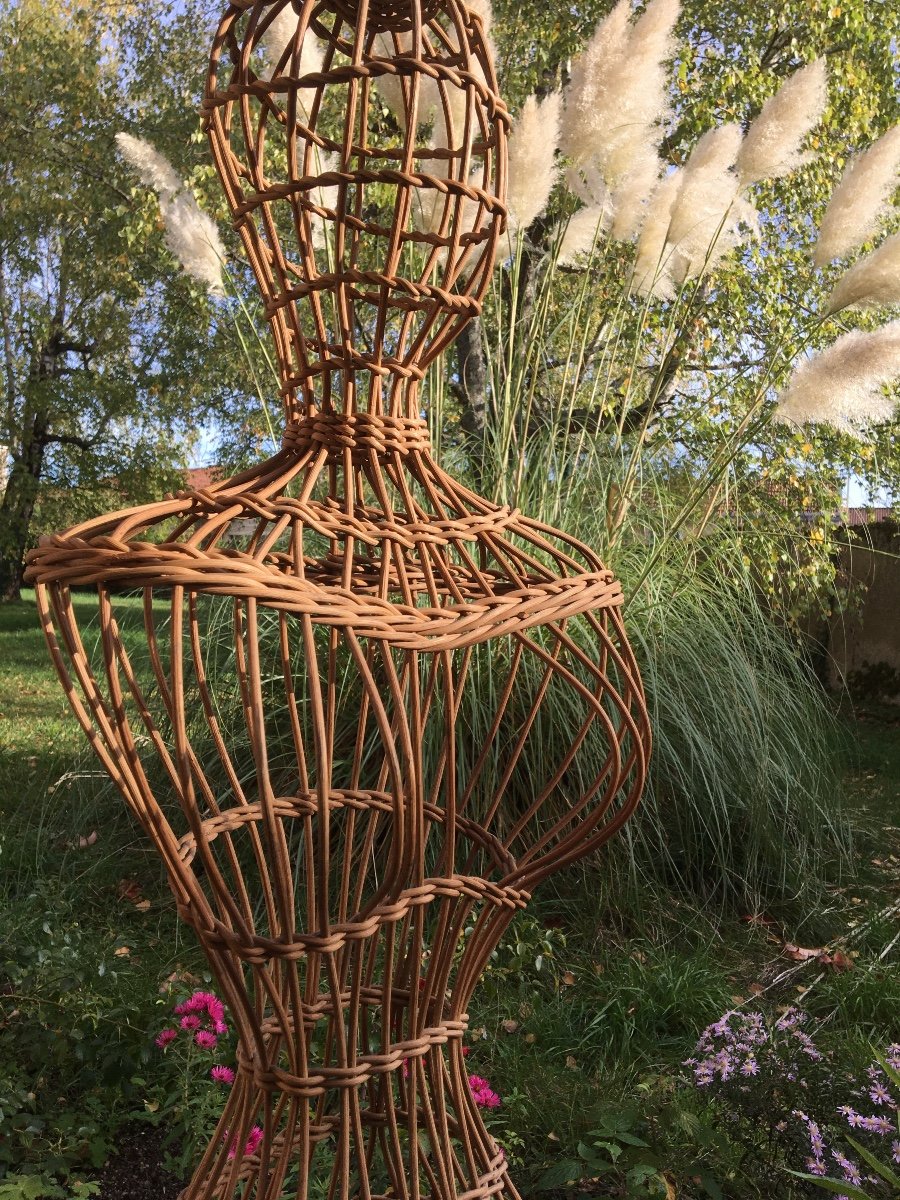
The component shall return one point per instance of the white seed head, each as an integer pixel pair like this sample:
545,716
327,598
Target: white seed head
873,281
154,169
583,233
843,386
631,198
860,200
193,238
532,166
772,145
652,274
280,51
619,91
190,234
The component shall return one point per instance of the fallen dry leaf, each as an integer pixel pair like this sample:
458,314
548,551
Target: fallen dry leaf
509,1026
128,889
838,961
571,1062
122,951
178,976
568,978
802,953
142,905
87,841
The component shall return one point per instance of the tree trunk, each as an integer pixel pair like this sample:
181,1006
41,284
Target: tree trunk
17,508
19,500
473,377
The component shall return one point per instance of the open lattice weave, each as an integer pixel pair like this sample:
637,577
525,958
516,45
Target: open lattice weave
332,714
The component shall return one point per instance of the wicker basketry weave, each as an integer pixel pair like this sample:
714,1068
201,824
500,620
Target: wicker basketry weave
333,718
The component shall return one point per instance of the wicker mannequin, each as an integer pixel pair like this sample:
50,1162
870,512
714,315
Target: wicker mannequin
351,787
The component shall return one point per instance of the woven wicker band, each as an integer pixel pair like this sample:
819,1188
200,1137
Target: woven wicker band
363,434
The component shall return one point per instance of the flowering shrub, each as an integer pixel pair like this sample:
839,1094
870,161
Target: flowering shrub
771,1076
742,1046
187,1098
871,1153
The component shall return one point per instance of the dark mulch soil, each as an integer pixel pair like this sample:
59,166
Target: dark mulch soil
135,1171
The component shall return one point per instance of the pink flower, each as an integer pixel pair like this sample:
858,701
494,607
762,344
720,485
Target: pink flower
251,1144
220,1027
165,1036
215,1007
190,1022
199,1002
222,1074
206,1040
482,1093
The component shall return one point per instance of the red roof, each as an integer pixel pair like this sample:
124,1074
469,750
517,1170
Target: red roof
866,516
197,478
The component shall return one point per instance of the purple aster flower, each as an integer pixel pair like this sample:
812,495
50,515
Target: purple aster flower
879,1094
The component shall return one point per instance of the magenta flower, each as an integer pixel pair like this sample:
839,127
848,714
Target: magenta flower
222,1075
190,1022
251,1144
482,1093
165,1036
206,1040
201,1002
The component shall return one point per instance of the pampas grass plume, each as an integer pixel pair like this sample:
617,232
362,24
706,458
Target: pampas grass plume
860,200
617,95
532,158
843,385
708,188
190,234
278,37
586,90
772,145
632,196
154,169
652,266
873,281
582,233
709,219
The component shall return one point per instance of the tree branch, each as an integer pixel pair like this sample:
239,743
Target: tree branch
70,439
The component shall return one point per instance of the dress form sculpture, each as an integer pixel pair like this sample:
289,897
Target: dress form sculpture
338,735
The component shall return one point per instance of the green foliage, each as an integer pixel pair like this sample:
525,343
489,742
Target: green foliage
105,351
615,1151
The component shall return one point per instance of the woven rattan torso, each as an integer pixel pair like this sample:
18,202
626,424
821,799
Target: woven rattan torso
335,728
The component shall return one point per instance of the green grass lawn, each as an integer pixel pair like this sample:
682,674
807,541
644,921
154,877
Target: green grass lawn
584,1017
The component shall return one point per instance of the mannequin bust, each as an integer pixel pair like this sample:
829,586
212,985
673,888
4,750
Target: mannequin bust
338,737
